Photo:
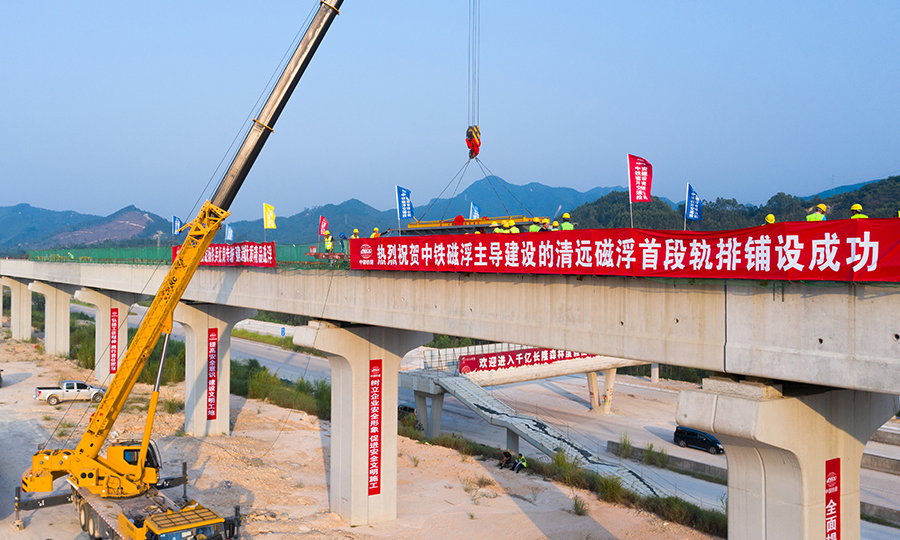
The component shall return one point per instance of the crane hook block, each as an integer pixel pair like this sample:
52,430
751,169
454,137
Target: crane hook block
473,140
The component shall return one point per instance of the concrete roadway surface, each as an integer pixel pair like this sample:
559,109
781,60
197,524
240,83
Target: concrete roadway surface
644,412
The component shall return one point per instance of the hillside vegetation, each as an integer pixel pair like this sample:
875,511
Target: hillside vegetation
879,200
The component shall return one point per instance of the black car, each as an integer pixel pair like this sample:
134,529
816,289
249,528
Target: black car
685,437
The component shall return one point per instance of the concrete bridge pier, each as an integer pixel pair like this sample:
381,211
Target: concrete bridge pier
104,303
430,420
778,446
19,308
207,340
363,483
601,403
57,309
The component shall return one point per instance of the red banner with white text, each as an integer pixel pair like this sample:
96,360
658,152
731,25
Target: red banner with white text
242,254
640,178
471,363
113,340
844,250
376,395
212,372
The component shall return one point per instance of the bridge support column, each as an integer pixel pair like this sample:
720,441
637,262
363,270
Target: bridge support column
609,381
654,373
207,331
19,308
57,307
104,303
430,420
777,447
594,391
350,351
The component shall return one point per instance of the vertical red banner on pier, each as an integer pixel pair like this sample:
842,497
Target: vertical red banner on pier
833,499
212,372
375,399
113,340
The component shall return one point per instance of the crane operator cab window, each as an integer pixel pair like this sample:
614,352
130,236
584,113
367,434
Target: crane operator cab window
200,533
131,455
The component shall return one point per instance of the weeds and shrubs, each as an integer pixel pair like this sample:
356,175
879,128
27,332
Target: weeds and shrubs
655,458
253,380
579,507
172,406
484,481
624,446
286,342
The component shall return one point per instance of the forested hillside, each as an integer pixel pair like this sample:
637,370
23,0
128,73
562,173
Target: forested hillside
879,200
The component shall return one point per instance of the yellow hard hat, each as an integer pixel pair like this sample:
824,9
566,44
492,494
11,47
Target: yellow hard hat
857,207
495,224
566,215
355,231
770,219
547,220
376,229
822,207
556,224
536,219
327,233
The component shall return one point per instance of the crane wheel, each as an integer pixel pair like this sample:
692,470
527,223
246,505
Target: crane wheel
92,527
53,400
83,516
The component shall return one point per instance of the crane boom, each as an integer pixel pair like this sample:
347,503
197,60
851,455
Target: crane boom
112,477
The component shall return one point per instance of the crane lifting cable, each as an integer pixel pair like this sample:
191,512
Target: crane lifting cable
473,132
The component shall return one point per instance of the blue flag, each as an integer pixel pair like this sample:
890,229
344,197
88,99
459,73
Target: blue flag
474,211
693,206
229,233
404,204
176,224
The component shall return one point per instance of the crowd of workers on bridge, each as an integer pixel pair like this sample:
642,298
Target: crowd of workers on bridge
818,213
509,226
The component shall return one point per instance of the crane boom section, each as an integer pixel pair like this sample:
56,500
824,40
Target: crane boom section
113,476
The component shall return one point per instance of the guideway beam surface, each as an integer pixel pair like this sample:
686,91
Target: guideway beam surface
349,350
777,446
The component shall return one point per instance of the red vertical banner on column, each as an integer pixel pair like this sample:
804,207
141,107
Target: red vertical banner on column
375,395
212,373
113,340
833,499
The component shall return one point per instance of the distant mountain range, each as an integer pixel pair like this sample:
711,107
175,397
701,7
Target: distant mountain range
24,227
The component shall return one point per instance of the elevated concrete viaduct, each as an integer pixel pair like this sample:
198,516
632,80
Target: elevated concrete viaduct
841,342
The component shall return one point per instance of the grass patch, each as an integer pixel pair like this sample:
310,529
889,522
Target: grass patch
172,406
286,342
579,507
879,521
624,446
254,381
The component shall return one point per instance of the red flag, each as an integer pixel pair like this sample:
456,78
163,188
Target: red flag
640,176
323,225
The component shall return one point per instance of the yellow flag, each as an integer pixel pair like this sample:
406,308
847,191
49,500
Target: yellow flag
268,216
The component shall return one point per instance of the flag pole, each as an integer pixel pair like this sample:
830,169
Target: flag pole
686,194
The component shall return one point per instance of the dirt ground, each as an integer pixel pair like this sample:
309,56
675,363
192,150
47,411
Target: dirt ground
275,466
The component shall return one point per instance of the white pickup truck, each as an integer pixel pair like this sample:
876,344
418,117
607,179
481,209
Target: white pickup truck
69,390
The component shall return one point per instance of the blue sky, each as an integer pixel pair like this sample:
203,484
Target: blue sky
107,104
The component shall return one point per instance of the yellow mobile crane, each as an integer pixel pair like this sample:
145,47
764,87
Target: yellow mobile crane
117,495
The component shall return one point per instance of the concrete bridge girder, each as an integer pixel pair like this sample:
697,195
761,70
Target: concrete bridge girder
777,446
349,350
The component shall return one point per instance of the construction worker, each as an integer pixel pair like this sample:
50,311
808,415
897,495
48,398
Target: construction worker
545,225
566,226
512,227
856,212
770,219
535,224
504,226
375,233
521,463
329,242
355,234
344,243
495,227
819,214
555,226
